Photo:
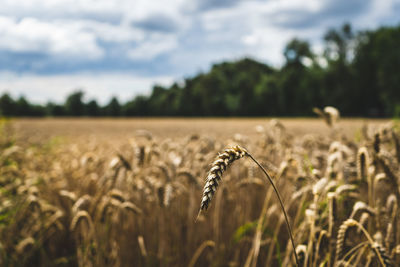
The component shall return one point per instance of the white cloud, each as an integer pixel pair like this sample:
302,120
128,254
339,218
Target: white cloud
255,34
267,44
106,31
378,12
154,46
102,10
300,5
100,86
32,35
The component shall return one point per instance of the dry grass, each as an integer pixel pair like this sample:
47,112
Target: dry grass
106,193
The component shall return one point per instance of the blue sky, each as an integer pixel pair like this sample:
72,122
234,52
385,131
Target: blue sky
49,48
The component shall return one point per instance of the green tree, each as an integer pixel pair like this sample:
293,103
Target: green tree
294,78
113,108
55,110
339,43
298,52
74,105
37,111
338,82
22,107
376,66
7,105
93,109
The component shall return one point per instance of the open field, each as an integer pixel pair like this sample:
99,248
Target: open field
118,129
126,192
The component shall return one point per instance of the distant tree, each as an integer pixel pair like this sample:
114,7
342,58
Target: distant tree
268,96
163,101
113,108
93,109
158,101
141,106
7,105
338,77
74,105
22,107
293,79
339,43
376,66
55,110
37,111
128,109
297,52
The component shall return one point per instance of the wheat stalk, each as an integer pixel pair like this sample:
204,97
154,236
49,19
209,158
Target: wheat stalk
351,253
396,145
81,216
341,238
199,250
377,143
116,194
220,164
390,174
82,203
25,245
360,206
142,246
362,164
378,249
129,206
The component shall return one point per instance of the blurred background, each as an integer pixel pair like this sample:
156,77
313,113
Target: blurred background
199,57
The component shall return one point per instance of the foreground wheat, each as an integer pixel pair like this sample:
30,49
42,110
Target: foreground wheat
214,176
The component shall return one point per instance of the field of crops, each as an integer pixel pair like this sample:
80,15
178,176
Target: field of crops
102,192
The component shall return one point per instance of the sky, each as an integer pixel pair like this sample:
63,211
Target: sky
50,48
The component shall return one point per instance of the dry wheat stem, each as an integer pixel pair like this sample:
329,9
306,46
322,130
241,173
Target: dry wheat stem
356,255
381,252
322,234
142,246
281,203
199,250
354,250
396,145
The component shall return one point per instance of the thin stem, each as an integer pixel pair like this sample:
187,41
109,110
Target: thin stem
370,241
354,249
281,203
199,250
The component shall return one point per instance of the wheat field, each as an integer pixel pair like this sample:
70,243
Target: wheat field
127,192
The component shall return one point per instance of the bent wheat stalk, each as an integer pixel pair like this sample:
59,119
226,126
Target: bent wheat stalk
214,176
199,250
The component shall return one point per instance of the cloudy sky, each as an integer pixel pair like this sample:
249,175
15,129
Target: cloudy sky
48,48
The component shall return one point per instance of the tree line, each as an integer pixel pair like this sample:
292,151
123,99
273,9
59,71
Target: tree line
357,72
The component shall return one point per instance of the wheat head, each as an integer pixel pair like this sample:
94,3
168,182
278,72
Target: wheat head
220,164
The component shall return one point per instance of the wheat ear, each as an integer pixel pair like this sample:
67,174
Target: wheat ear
362,164
214,176
220,164
342,237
